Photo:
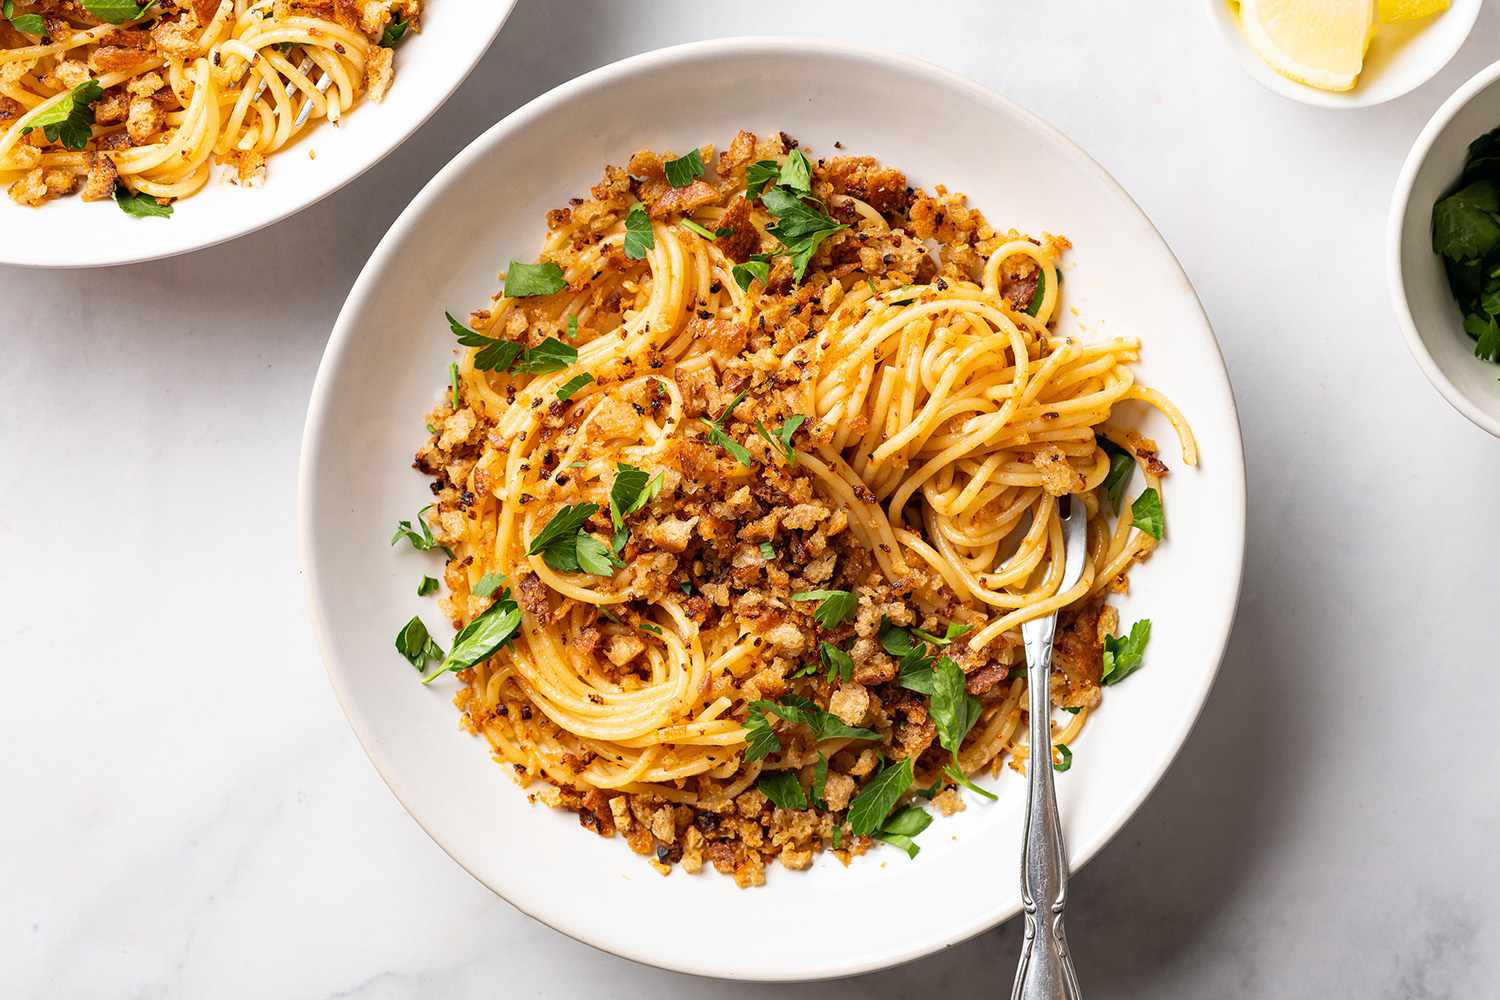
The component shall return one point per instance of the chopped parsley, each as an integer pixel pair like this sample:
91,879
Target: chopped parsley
1066,753
1123,653
30,24
952,631
639,239
572,326
487,585
834,606
567,548
429,585
797,711
705,232
482,637
566,391
70,121
525,280
900,829
632,490
684,170
796,173
551,355
1147,514
494,354
876,800
1466,232
117,11
414,643
453,382
781,441
140,205
801,228
783,789
760,175
820,781
720,437
420,537
1037,293
840,665
767,551
394,33
1121,465
757,268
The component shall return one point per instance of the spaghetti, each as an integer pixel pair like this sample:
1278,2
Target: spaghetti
146,100
862,422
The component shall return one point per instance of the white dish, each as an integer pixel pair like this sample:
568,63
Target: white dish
386,363
70,232
1424,305
1401,58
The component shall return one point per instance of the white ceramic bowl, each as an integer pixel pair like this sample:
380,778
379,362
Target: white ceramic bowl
386,364
1424,305
429,67
1402,57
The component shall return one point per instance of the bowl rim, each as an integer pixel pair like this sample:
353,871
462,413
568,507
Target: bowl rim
127,253
343,339
1303,93
1395,228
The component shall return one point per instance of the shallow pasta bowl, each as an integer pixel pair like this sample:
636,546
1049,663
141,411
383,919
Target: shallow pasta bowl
387,361
69,232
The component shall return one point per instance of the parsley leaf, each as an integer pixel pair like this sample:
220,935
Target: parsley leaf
1486,333
760,738
839,663
421,538
561,530
572,333
416,645
896,640
834,608
116,11
720,437
566,391
429,585
800,227
946,705
800,711
782,440
31,24
140,205
1123,654
684,170
639,238
705,232
394,33
952,631
875,801
904,825
493,355
796,173
759,175
453,382
482,637
783,788
524,280
1466,224
1067,758
631,491
487,584
1147,513
757,268
767,551
551,355
69,121
1121,465
593,556
820,781
1035,305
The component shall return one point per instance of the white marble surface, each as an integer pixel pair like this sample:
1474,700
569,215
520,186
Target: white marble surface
185,813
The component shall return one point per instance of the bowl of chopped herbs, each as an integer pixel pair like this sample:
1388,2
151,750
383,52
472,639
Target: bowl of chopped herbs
1444,249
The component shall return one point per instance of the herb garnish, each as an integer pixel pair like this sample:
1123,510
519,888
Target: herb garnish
1035,305
551,355
421,538
572,326
487,584
767,551
566,391
800,227
494,354
874,802
1067,758
705,232
1147,514
416,645
140,205
899,830
820,781
720,437
453,382
761,739
952,631
567,548
30,24
759,175
524,280
117,11
1466,232
429,585
69,121
482,637
632,490
1121,465
783,788
394,33
840,664
684,170
834,608
781,441
757,268
1123,653
639,239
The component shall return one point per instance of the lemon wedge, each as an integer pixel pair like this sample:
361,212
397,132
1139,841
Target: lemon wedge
1317,42
1410,10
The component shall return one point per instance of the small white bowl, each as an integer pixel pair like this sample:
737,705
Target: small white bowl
1419,286
1402,57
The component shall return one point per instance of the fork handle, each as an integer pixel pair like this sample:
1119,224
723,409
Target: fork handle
1046,969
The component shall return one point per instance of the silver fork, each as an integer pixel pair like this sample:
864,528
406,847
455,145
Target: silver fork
1046,970
322,84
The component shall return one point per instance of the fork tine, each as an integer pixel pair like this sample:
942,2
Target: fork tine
324,82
